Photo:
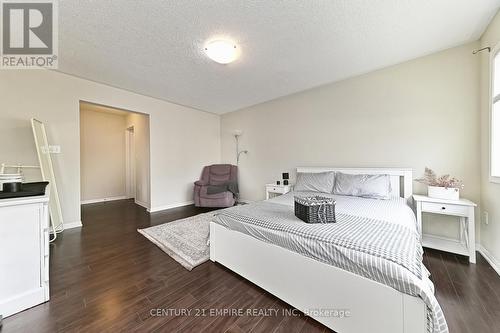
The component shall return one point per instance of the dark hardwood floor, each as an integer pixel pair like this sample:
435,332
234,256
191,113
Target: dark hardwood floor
106,277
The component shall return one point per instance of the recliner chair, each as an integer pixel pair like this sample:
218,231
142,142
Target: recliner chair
216,174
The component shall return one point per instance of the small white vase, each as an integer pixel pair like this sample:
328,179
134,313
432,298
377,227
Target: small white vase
439,192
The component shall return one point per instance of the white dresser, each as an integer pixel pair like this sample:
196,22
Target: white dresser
24,253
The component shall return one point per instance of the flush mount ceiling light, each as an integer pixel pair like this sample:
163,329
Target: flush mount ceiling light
221,51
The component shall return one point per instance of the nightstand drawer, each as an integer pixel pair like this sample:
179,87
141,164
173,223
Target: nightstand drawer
447,209
278,188
273,190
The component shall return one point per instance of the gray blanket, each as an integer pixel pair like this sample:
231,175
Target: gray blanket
226,187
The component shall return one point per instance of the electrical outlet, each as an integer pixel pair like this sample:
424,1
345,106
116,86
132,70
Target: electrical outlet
55,149
486,218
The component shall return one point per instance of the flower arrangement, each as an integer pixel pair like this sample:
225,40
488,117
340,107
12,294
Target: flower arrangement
430,178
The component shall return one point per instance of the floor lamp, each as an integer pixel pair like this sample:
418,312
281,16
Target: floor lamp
237,134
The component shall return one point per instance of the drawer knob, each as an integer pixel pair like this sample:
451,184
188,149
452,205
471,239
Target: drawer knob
443,208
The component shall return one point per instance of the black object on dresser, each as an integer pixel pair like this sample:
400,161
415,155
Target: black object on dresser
27,190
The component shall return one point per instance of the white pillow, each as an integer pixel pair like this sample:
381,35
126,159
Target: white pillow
366,186
315,182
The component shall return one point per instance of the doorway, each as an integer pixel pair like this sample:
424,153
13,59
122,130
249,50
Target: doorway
114,155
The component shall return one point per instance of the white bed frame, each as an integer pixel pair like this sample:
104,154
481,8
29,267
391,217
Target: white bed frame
309,285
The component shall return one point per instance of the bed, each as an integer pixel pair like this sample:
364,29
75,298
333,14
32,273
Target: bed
343,287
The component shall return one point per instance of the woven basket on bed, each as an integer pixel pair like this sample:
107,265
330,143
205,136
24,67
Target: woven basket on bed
315,209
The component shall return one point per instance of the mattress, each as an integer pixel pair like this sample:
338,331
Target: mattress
376,239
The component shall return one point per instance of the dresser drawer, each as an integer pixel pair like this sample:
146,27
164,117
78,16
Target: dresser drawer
445,209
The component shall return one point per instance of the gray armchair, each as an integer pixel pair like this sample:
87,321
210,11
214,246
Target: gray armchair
215,175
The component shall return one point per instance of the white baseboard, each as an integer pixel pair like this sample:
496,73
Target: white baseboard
22,301
91,201
71,225
494,262
165,207
142,204
246,201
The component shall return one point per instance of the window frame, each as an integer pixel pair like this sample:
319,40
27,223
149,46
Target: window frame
492,100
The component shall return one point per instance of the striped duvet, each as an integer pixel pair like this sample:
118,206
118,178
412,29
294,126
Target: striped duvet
377,239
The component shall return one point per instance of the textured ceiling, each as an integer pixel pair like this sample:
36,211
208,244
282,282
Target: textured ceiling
155,47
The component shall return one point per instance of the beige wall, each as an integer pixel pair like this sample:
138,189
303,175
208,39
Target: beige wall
182,139
420,113
141,137
490,192
102,155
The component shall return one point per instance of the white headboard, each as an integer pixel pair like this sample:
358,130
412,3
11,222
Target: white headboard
401,178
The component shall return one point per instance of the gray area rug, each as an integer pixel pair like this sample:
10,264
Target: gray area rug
184,240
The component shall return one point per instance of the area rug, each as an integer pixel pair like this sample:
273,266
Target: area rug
186,240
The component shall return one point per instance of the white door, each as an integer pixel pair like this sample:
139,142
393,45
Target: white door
130,162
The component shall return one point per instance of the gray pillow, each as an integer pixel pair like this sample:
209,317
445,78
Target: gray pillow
315,181
366,186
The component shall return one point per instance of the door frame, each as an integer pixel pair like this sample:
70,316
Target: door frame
130,162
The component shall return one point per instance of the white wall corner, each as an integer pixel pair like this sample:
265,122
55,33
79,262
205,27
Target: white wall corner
165,207
490,258
71,225
142,204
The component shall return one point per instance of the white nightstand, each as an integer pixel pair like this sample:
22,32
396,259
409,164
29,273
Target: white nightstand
273,190
464,209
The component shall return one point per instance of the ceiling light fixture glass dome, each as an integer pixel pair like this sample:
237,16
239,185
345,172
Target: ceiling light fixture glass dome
221,51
